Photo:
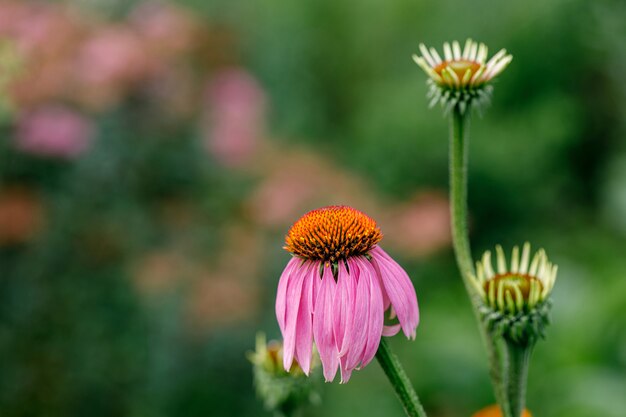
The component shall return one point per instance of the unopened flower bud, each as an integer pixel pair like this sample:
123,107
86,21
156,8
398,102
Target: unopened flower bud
463,77
281,391
516,297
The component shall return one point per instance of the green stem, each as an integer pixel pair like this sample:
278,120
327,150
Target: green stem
517,374
399,380
459,142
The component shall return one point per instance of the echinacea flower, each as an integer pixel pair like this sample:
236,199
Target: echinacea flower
516,299
463,76
335,290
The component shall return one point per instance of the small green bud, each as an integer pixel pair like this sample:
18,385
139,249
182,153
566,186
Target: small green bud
516,300
462,78
281,391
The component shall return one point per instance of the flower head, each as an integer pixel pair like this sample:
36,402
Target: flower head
335,290
462,78
516,298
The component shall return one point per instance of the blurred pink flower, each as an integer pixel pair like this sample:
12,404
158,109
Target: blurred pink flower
112,55
167,29
236,117
109,62
35,27
45,37
420,226
54,131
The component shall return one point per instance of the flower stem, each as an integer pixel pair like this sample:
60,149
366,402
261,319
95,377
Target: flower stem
399,380
459,142
517,374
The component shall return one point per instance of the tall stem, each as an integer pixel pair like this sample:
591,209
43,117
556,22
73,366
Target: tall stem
518,357
459,142
399,380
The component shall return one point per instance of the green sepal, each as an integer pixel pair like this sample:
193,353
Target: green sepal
523,328
463,99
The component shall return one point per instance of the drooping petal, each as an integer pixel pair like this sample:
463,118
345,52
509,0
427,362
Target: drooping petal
294,295
386,300
281,293
399,289
304,326
343,308
323,325
361,316
351,350
376,312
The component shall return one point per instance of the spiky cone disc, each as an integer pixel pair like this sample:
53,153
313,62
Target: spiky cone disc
463,78
516,301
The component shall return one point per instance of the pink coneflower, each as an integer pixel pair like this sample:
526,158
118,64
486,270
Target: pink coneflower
236,117
335,290
54,131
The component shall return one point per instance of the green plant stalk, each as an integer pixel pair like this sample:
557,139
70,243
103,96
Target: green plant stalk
459,142
518,357
399,380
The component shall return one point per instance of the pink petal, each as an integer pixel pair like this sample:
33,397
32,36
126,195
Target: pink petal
281,293
294,294
323,325
361,317
391,330
343,308
317,282
399,289
304,326
386,300
376,312
346,373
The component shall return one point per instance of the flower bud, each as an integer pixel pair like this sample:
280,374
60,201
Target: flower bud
462,78
516,298
280,391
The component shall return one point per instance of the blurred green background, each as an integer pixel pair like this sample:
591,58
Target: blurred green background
153,156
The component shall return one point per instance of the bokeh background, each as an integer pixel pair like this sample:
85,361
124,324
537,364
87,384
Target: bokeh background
154,154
